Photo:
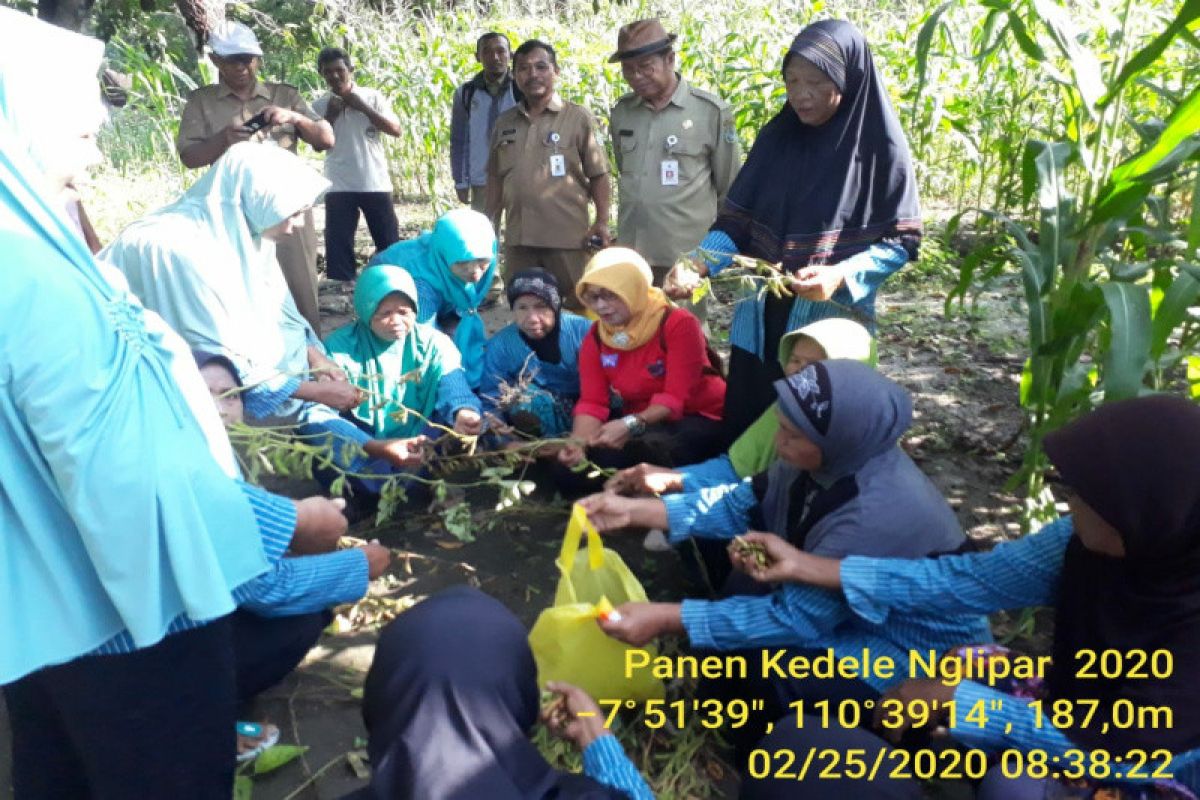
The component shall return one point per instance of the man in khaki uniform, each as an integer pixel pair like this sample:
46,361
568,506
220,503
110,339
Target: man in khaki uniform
545,165
676,147
214,118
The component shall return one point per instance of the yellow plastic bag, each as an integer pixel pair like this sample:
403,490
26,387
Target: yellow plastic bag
568,643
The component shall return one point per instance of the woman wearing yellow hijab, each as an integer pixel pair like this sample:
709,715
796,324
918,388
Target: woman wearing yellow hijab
648,386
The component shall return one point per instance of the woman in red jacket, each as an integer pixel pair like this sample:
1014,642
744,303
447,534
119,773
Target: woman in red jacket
648,385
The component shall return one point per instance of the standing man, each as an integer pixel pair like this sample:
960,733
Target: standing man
215,117
356,166
676,147
544,166
477,105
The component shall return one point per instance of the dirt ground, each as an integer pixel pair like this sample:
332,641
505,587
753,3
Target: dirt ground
963,373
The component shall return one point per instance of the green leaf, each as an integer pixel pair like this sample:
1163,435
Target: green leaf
1172,310
1084,65
1124,191
243,787
925,39
275,757
1188,13
1129,348
458,522
1193,376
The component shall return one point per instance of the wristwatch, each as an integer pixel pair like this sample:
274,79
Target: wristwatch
636,425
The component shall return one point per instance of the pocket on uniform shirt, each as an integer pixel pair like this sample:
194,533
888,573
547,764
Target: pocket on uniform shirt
628,147
506,156
693,159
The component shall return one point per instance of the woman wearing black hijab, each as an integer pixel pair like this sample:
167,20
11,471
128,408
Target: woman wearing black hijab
1122,572
829,192
449,703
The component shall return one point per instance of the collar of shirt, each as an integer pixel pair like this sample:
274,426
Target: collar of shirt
496,87
260,89
681,88
555,105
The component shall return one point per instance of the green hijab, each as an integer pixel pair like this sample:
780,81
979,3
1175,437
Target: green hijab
401,375
754,450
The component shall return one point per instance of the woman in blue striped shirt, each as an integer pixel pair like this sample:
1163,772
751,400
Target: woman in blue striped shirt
1121,572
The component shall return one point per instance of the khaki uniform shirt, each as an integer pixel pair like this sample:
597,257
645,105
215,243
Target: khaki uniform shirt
659,220
544,210
214,107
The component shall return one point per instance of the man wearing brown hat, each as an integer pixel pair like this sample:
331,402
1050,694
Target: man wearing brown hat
676,148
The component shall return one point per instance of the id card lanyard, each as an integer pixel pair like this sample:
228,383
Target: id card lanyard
558,162
669,168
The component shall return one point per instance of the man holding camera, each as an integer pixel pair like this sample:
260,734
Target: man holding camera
544,167
239,107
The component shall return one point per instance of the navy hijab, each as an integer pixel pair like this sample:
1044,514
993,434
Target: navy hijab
449,703
818,195
1137,464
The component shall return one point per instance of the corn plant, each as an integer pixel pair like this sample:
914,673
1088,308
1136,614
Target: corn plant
1108,280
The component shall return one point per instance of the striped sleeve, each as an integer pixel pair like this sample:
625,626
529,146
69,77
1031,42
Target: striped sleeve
714,512
1014,574
306,584
863,273
276,517
429,300
716,251
453,394
714,472
264,399
792,615
604,760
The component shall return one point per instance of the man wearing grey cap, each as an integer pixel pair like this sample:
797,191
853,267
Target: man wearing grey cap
676,149
215,117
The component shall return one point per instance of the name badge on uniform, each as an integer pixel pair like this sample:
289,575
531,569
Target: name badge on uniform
608,360
669,169
670,172
558,165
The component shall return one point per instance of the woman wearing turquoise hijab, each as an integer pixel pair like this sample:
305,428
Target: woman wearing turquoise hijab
453,267
401,366
126,540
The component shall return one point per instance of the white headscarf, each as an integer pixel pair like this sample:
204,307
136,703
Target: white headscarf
115,515
202,263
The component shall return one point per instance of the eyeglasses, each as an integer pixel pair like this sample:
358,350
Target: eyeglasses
594,296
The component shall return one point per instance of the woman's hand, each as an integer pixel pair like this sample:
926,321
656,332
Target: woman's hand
319,524
645,479
612,435
401,453
892,719
816,283
784,562
574,715
467,422
637,624
378,558
341,395
322,369
683,279
609,511
570,454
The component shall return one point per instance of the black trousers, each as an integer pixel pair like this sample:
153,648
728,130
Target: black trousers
689,440
96,727
341,222
155,723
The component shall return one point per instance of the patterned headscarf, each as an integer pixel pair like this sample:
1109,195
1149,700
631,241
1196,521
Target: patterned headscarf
543,285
